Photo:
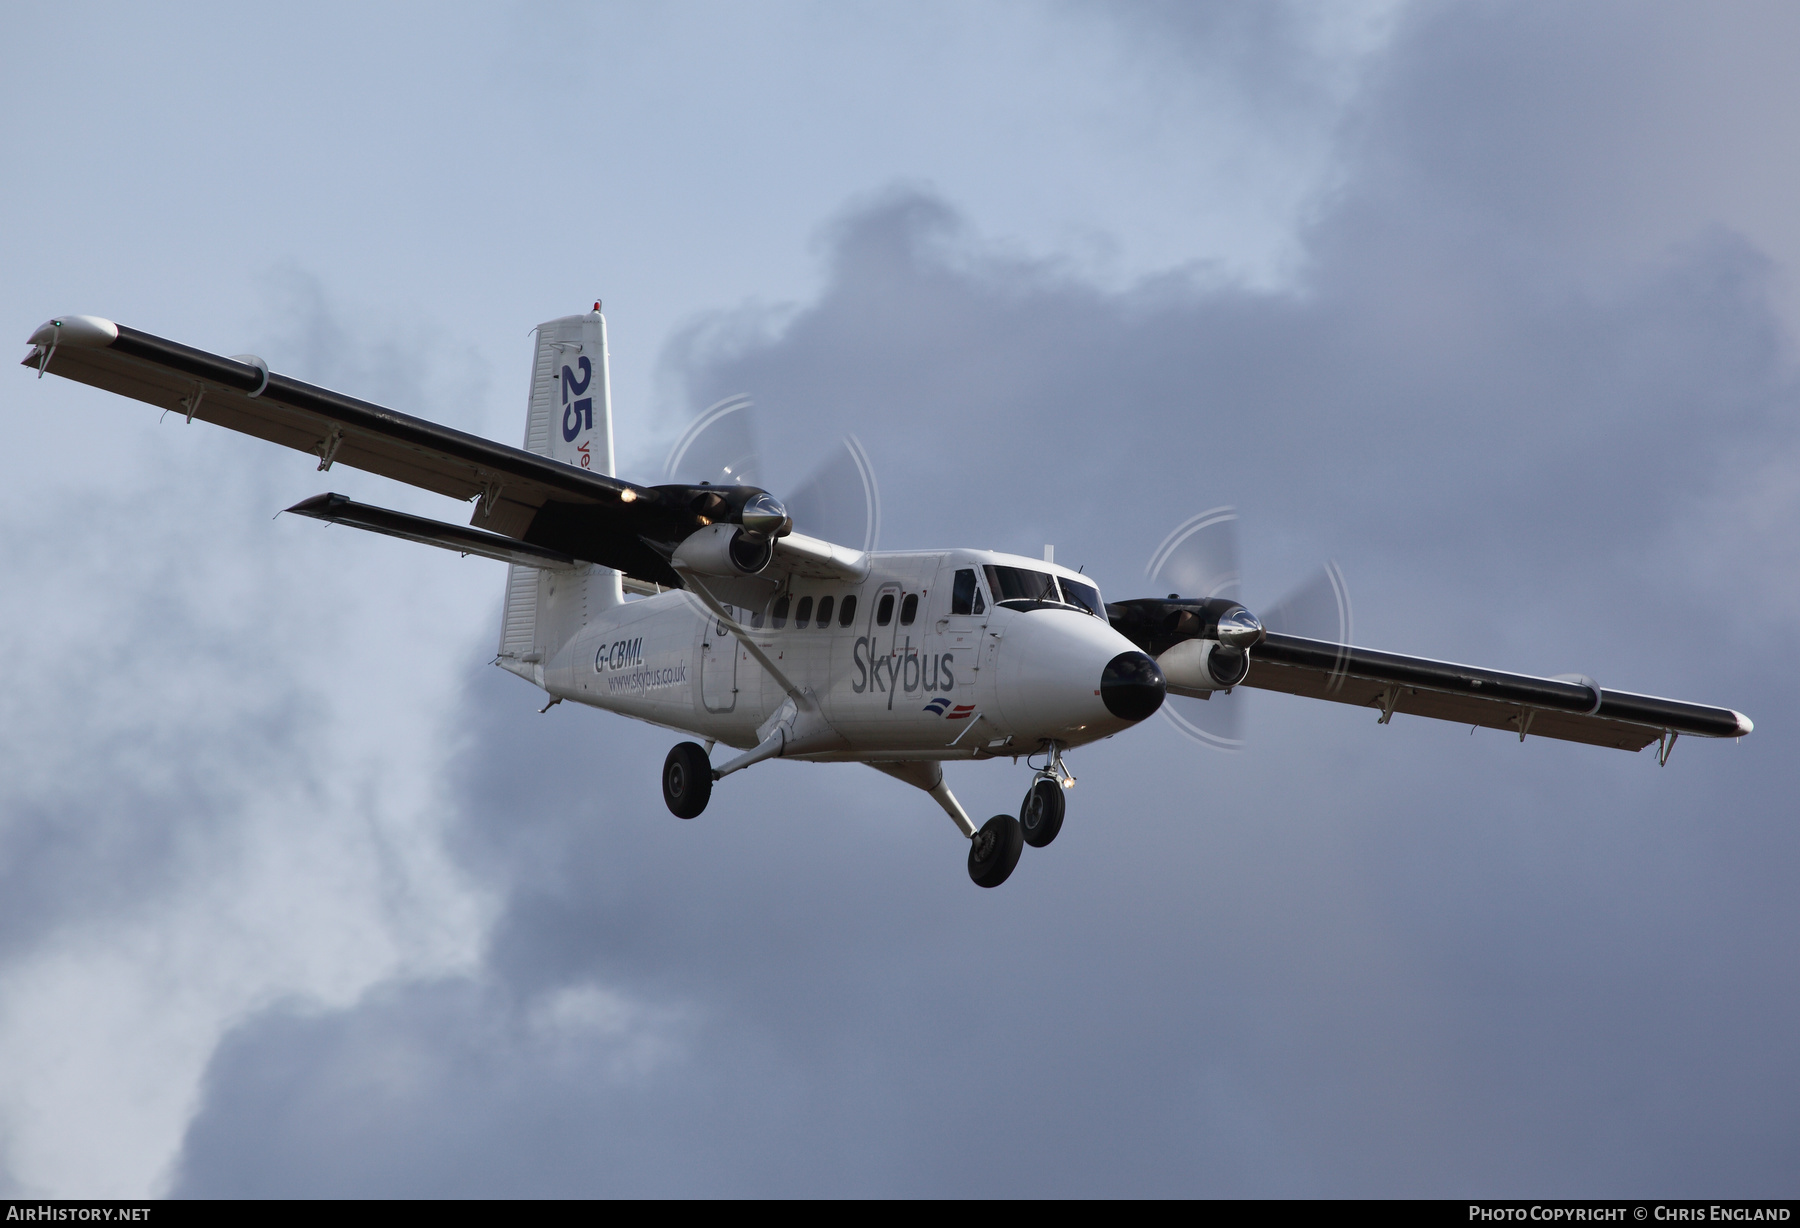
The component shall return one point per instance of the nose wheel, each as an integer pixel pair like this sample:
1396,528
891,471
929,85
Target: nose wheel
1041,813
994,850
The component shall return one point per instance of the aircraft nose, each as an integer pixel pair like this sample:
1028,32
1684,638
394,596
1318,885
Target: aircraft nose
1132,686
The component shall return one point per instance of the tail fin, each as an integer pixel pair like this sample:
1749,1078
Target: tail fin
570,420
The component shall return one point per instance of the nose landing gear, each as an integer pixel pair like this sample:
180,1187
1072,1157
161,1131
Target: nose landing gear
1041,813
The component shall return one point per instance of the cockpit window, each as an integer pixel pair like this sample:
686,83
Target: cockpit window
1022,588
965,594
1019,584
1084,595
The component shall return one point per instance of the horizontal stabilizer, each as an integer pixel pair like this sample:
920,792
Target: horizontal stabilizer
340,509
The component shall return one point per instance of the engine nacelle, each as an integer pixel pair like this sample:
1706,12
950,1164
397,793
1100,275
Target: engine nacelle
725,550
1203,665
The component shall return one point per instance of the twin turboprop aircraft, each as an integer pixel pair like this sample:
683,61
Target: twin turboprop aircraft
700,607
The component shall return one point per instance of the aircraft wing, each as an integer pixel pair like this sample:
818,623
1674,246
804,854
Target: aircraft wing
338,429
566,510
1575,710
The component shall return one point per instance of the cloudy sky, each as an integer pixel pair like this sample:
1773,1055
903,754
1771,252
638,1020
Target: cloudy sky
1492,303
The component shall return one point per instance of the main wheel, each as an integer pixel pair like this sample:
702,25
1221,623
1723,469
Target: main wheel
995,850
1041,813
687,780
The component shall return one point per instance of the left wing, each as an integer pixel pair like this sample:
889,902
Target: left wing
1573,708
1566,708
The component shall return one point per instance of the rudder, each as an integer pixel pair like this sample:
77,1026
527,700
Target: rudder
568,419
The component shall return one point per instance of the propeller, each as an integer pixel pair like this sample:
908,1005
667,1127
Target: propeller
838,501
1198,561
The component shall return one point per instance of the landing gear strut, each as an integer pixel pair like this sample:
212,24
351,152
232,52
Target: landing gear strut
995,850
687,780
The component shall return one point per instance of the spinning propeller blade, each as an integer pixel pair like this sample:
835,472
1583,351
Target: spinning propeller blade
1199,559
718,447
1318,610
839,501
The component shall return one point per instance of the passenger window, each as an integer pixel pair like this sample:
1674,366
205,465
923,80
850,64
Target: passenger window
884,613
824,611
909,609
803,615
779,614
847,615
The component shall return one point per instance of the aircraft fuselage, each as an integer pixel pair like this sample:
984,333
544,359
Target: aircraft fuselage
902,664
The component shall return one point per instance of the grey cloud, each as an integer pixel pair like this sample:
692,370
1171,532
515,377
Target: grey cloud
1354,960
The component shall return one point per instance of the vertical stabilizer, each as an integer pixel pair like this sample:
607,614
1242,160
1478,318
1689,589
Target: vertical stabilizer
569,419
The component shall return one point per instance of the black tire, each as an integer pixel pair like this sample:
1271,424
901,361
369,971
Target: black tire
995,850
687,780
1041,813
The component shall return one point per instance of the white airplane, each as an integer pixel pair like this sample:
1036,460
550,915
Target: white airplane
699,608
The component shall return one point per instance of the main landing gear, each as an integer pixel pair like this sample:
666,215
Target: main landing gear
995,850
687,780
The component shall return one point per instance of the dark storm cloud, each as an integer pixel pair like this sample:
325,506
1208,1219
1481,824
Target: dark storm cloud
186,712
1354,960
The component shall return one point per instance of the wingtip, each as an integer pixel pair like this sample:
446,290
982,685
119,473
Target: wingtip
319,506
92,332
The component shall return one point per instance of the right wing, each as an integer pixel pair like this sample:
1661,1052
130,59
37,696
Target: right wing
241,396
530,506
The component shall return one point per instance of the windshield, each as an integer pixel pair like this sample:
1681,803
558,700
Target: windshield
1018,584
1084,595
1023,588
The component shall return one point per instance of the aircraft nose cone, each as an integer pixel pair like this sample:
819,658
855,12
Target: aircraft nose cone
1132,686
